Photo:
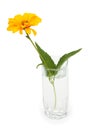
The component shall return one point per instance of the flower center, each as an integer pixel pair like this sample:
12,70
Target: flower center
25,24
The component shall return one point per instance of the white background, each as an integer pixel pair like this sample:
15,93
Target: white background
64,28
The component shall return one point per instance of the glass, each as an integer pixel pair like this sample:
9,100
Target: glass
55,93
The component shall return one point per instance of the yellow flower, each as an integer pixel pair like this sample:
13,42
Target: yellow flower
23,22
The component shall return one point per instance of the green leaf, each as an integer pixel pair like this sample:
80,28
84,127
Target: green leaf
66,57
46,60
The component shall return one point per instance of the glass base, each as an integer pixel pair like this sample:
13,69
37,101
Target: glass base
53,115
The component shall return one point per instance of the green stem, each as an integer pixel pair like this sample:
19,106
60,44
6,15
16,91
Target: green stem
31,42
51,80
41,57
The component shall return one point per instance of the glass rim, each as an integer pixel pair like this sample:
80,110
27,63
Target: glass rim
63,66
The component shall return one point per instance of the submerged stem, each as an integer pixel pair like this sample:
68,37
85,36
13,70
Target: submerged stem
54,90
54,95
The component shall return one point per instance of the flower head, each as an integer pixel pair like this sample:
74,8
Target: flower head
23,23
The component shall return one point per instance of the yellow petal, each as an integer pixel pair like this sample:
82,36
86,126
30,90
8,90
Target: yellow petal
35,20
34,32
28,30
21,31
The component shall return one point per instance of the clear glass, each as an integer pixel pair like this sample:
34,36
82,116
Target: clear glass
55,93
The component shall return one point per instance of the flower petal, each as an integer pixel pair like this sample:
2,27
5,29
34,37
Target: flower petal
34,32
28,30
